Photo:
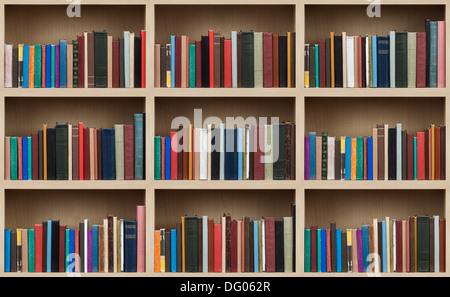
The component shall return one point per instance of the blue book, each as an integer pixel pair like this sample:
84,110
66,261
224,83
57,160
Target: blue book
348,158
319,249
138,146
433,54
30,161
231,155
191,65
167,156
172,64
324,250
383,243
415,158
49,246
173,248
72,250
383,66
26,65
94,248
365,247
48,53
7,250
338,251
63,63
130,246
369,158
52,66
255,246
317,65
240,153
108,154
374,62
312,155
24,158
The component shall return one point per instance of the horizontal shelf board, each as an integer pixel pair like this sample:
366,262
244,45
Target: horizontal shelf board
382,274
84,2
375,92
376,185
75,185
226,185
64,274
225,92
75,92
225,2
228,274
366,3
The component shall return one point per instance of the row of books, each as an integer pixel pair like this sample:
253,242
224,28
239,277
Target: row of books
92,60
416,244
117,245
389,154
245,60
399,60
76,152
256,152
198,244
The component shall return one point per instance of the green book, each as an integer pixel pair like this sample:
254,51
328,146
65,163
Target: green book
52,65
191,246
62,163
324,154
67,250
359,158
75,63
268,152
288,244
307,250
14,162
279,154
415,158
30,250
30,161
258,59
120,161
157,157
319,249
247,59
192,66
100,59
401,59
37,65
433,55
423,244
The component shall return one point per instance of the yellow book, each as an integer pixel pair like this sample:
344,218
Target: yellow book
45,150
415,244
157,252
190,152
332,58
183,246
289,59
307,66
260,245
432,152
353,160
31,68
162,241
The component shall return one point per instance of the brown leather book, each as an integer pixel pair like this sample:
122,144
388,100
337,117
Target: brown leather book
101,249
442,245
268,60
437,147
371,247
228,242
431,244
110,243
288,152
75,153
380,143
239,60
199,245
399,245
210,245
275,63
442,152
91,66
217,69
128,131
246,244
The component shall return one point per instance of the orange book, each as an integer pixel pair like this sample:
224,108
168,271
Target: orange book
353,162
31,68
157,251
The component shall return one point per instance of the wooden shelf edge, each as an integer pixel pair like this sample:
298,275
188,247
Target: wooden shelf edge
75,185
375,185
375,92
74,92
365,3
225,92
225,185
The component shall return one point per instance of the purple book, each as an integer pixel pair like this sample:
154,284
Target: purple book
360,252
57,66
89,245
306,158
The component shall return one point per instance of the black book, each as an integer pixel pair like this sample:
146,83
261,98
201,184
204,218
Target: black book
423,244
137,61
13,251
312,66
337,163
121,64
191,242
41,155
55,246
380,246
162,67
282,63
392,154
343,251
62,165
205,62
279,246
215,154
404,155
101,59
51,153
328,62
231,154
15,65
338,79
293,207
168,254
292,48
333,246
247,56
363,61
412,250
179,235
44,246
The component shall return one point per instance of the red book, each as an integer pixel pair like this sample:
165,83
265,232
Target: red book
429,153
35,155
313,248
328,233
360,63
407,247
178,61
242,226
421,60
38,229
258,165
398,226
87,172
364,158
43,64
62,248
80,151
116,61
275,61
267,60
198,64
128,135
186,153
270,244
163,158
234,261
322,68
81,69
211,58
410,157
143,55
211,245
442,245
217,248
437,153
19,159
77,250
441,54
227,64
173,156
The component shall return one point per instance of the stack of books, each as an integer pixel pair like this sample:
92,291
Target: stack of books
76,152
416,244
399,60
245,60
93,60
257,152
117,245
197,244
389,154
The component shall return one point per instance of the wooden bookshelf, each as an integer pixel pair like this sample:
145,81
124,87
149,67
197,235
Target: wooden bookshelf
23,203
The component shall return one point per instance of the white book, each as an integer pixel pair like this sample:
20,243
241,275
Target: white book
126,57
399,151
86,228
131,59
366,38
436,244
330,156
392,58
350,62
412,41
69,157
8,65
204,244
234,59
386,159
258,59
344,59
115,243
263,244
203,153
222,152
375,153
